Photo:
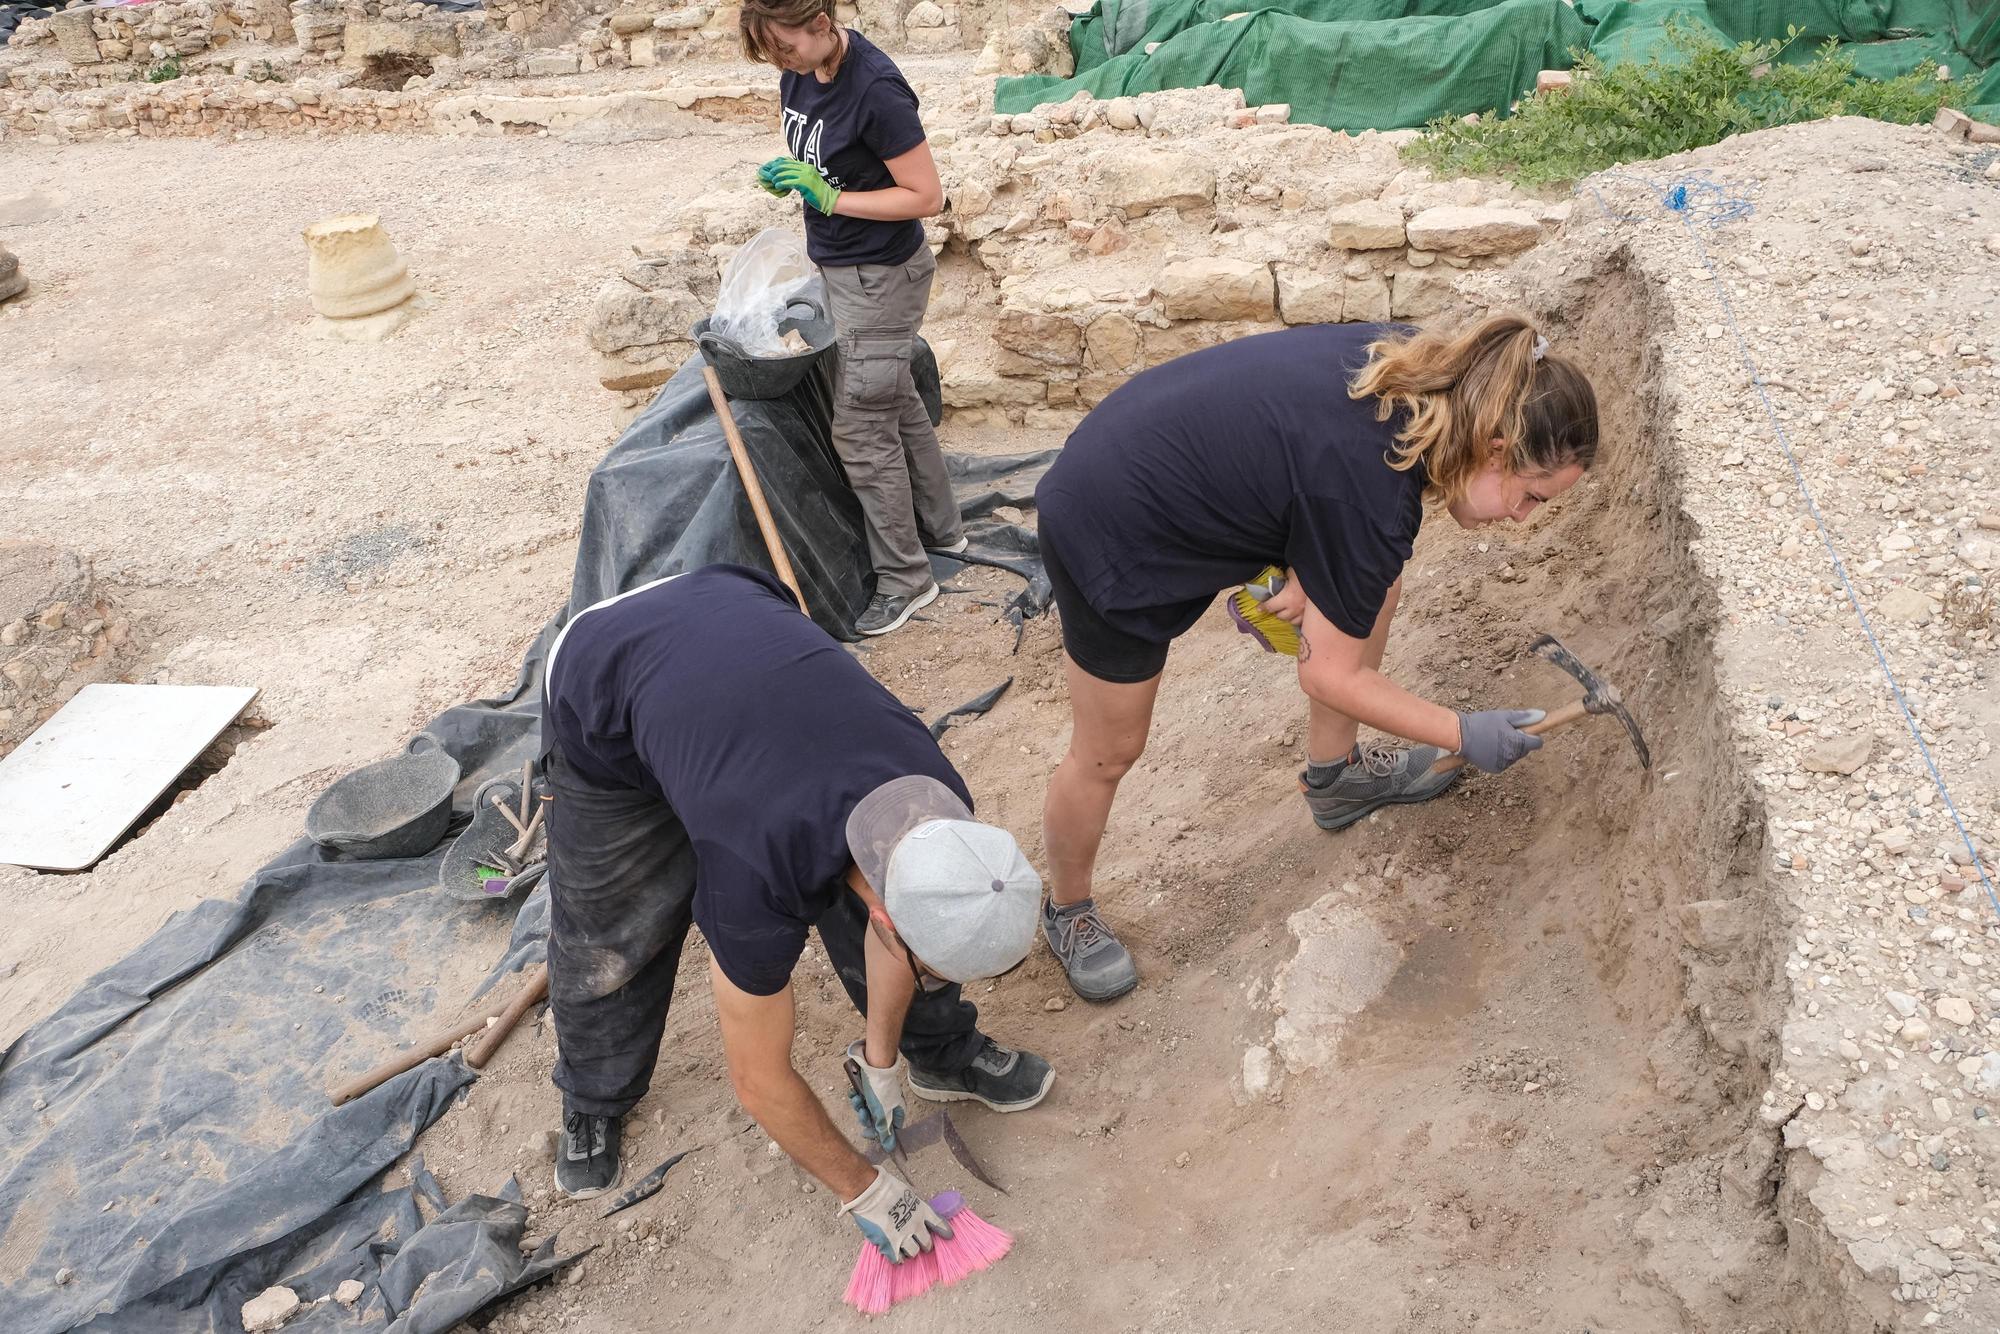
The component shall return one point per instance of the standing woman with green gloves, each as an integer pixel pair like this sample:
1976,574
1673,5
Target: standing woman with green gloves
859,159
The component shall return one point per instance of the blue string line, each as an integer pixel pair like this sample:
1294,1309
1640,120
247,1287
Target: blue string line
1695,198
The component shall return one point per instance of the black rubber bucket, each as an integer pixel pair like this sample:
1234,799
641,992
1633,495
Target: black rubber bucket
745,376
398,807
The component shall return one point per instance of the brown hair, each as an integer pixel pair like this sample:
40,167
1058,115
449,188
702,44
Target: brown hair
1463,389
755,19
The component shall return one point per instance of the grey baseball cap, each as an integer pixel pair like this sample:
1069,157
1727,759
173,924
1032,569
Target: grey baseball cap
961,894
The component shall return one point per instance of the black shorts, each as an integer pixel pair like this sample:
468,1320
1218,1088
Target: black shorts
1093,643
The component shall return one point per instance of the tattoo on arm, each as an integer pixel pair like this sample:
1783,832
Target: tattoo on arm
1305,645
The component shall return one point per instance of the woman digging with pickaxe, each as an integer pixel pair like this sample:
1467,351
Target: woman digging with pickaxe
1314,449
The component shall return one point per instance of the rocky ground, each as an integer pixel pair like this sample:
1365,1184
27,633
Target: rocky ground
1563,1050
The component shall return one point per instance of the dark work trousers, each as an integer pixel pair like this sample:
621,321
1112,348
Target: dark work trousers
621,897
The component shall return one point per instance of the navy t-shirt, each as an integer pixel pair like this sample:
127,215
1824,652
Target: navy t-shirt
1194,475
714,692
848,129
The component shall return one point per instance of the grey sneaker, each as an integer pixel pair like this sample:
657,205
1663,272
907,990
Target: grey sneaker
1373,778
1099,968
587,1157
886,612
952,548
1003,1079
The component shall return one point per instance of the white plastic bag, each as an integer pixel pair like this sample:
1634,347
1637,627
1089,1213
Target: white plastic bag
762,277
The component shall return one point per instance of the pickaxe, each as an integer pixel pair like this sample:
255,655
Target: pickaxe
1599,696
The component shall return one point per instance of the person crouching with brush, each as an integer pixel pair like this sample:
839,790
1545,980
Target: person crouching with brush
717,760
1312,449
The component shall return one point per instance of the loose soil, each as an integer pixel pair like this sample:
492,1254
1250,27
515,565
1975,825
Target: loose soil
289,514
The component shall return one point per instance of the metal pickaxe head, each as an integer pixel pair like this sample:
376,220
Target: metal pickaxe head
1599,695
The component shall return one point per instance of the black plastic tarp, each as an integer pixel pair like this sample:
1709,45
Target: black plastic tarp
166,1136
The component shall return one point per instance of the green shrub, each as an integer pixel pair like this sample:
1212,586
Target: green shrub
1633,112
166,71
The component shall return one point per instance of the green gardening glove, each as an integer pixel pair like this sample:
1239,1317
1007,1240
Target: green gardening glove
803,177
764,175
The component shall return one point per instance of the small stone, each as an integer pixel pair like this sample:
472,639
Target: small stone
1896,841
1907,605
1183,1159
13,633
1915,1032
1941,1108
1901,1002
1955,1010
52,616
1816,1101
1260,1073
65,1276
1850,1050
269,1309
349,1292
41,1104
1055,1004
1946,1238
1840,755
1979,553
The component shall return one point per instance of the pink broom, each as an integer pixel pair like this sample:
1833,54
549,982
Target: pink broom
974,1244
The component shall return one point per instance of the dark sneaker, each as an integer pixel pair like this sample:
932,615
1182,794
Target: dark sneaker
886,612
587,1159
955,549
1099,968
1006,1081
1373,778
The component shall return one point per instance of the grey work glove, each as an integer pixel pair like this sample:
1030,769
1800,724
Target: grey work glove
896,1220
1492,739
883,1115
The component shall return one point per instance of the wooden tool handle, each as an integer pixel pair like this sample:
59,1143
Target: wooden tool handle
765,524
415,1056
533,992
1562,717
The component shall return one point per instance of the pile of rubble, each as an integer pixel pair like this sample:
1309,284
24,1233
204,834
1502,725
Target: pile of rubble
58,633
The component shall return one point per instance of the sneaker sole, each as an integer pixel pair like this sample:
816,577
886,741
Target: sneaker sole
1343,821
957,549
929,1094
921,600
593,1193
1099,997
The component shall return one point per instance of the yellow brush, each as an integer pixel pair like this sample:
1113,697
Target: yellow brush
1246,609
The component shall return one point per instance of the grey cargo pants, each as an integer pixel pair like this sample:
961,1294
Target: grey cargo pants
880,429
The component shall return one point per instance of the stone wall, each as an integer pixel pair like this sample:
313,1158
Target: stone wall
239,107
1093,240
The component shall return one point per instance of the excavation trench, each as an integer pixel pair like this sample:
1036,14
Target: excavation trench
1527,1025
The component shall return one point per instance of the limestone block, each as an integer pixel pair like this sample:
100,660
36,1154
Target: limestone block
1049,340
932,41
549,64
972,386
1094,389
74,37
353,268
642,367
688,18
1308,297
1418,293
426,38
269,1309
643,49
925,14
1114,343
1216,288
628,22
1366,299
1474,232
882,20
13,282
682,266
1369,224
1144,180
626,316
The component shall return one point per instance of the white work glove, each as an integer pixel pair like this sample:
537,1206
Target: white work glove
896,1220
883,1115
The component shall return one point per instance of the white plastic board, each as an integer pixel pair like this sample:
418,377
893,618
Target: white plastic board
69,790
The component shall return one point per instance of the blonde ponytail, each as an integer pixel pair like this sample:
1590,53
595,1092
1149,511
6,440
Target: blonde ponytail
1495,380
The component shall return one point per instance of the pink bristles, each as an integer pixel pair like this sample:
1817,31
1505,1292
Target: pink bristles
876,1285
